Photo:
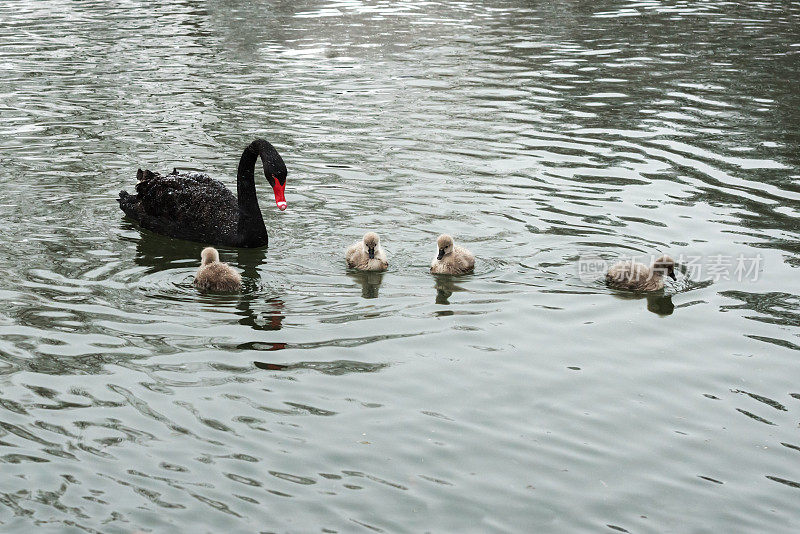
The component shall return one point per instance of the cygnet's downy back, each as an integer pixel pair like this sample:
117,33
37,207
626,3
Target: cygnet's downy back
214,275
636,276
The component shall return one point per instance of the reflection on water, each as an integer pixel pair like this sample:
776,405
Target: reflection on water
159,253
261,314
445,287
658,302
369,281
536,133
338,367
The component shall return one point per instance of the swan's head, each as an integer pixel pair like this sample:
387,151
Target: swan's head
371,241
445,244
209,255
279,189
274,169
665,265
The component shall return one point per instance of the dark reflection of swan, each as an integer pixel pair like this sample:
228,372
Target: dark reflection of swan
336,367
158,252
658,303
445,286
255,311
261,314
370,282
249,260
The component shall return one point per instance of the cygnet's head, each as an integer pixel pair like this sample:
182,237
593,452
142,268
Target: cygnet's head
665,265
445,244
209,255
371,241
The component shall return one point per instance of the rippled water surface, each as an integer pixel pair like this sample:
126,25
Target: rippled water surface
526,397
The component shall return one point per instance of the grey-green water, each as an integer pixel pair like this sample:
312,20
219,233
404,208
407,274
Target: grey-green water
525,398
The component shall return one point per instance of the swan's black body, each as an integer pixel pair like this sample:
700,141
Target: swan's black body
195,207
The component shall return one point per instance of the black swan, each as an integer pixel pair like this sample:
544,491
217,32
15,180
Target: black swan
193,206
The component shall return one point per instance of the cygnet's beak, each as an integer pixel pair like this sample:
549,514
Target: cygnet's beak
441,254
672,274
280,198
371,252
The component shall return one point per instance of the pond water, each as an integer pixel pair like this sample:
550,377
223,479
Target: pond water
550,139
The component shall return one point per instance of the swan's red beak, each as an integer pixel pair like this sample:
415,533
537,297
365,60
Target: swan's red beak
280,198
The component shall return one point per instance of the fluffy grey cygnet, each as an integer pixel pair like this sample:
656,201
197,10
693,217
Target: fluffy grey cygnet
451,259
214,275
638,276
367,254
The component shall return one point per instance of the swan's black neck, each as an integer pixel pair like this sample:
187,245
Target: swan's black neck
251,229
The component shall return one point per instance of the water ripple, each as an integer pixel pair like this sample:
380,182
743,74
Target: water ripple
537,135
